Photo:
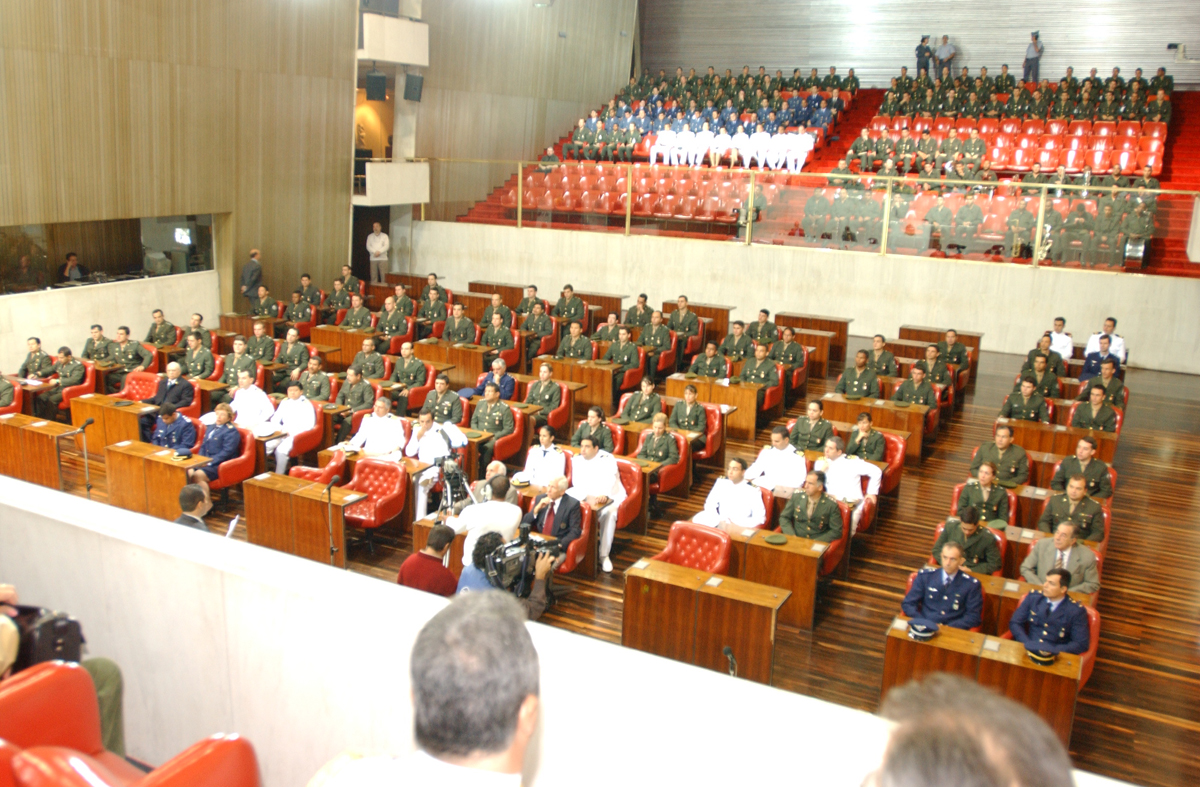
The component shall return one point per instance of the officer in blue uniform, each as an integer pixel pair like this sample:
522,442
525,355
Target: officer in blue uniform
772,124
696,123
222,442
172,430
1051,621
679,123
945,595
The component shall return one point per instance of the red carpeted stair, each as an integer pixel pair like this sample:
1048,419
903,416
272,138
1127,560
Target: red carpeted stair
1181,171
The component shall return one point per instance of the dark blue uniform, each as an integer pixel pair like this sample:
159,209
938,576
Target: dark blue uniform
220,443
958,604
178,434
1091,365
1063,630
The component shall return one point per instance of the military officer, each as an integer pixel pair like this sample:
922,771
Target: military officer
336,301
879,360
951,350
811,432
70,372
357,317
760,370
1049,620
353,285
1076,507
260,346
981,552
498,336
865,442
431,311
708,364
545,393
128,355
906,151
575,344
659,446
624,353
639,314
355,393
369,362
309,291
497,307
314,381
684,322
916,389
950,149
7,392
264,305
568,307
985,496
539,325
1054,361
1027,405
689,415
1045,383
444,404
161,333
37,363
404,304
297,311
1114,389
196,324
860,380
236,361
813,514
391,321
787,350
946,596
293,354
763,331
492,415
608,331
408,373
931,364
736,345
594,427
98,346
197,359
862,149
1010,461
642,405
1095,414
172,430
655,337
581,138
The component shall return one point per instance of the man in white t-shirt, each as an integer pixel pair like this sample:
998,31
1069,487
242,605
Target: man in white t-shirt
492,516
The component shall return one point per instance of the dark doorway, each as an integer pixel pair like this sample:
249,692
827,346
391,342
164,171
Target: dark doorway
364,217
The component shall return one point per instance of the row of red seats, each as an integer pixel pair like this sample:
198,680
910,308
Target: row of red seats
1051,141
1022,160
1078,128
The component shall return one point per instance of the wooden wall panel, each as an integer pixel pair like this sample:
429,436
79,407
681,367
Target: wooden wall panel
138,108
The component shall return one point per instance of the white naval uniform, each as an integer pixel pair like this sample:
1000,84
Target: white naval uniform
843,481
778,149
379,436
778,467
1116,346
430,449
797,152
741,504
760,143
292,416
684,141
599,477
663,143
700,147
722,143
251,407
545,464
1064,345
741,144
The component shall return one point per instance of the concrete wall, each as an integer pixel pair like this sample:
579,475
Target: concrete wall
1012,305
62,317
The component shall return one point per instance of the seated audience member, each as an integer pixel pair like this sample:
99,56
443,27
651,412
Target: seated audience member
235,362
778,464
787,350
980,551
292,416
659,446
98,346
70,372
987,497
430,443
710,364
1049,620
843,478
251,406
644,405
608,331
859,380
1084,463
222,442
172,430
194,504
261,347
1077,508
357,394
689,415
408,373
539,326
474,575
432,310
1062,551
129,356
481,489
575,344
638,315
1115,340
1045,382
369,361
656,338
935,369
1061,341
732,503
737,344
380,433
624,353
1027,405
1114,388
945,595
172,390
880,360
505,382
951,350
445,405
811,513
811,432
596,482
916,389
545,461
494,416
1054,361
337,300
1009,460
263,305
1093,361
292,357
594,427
556,514
314,381
161,333
1095,414
459,328
865,442
425,570
494,515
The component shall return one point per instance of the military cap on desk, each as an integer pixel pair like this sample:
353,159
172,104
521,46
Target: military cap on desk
922,629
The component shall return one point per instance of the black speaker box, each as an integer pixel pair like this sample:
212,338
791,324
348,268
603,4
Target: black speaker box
376,87
412,87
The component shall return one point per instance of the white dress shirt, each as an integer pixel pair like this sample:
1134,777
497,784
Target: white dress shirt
778,467
544,464
596,477
430,448
252,407
843,477
741,504
494,516
378,244
1116,346
294,416
1063,344
379,436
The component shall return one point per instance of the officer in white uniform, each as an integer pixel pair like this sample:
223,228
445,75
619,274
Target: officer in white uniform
684,141
779,464
428,444
700,147
733,502
1061,341
760,143
380,433
741,143
294,415
595,478
1116,344
843,478
801,144
545,461
722,144
663,143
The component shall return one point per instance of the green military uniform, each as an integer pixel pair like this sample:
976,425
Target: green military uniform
161,335
948,151
1139,225
433,311
607,333
128,358
980,550
938,374
353,285
1099,485
958,354
1021,409
658,338
908,392
576,348
761,372
708,367
855,383
807,436
684,325
601,434
883,365
496,418
99,350
359,396
337,300
370,364
1047,387
624,354
404,306
862,149
1105,420
735,348
540,325
293,357
409,373
1114,392
504,311
642,408
1088,517
566,311
789,353
606,143
358,319
526,305
1054,362
298,312
871,447
627,140
264,307
1012,467
498,339
694,421
992,507
1032,179
233,365
7,392
198,363
260,348
820,520
316,385
446,408
70,373
392,323
906,153
763,333
640,319
546,394
40,364
583,138
1107,228
311,295
659,449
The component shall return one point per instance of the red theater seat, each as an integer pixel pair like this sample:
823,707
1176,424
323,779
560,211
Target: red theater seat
385,484
698,547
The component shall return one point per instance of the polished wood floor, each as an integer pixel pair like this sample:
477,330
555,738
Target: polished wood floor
1139,716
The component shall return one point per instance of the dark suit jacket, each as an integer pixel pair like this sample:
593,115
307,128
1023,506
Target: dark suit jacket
62,272
179,395
568,522
188,521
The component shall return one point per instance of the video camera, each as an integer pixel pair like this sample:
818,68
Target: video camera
510,566
454,483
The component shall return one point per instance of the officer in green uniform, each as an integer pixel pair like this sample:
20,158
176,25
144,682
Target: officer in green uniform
444,404
581,138
459,327
568,307
355,393
498,336
404,304
762,330
865,442
497,307
1032,179
1114,389
761,370
1026,405
1107,231
879,360
638,315
608,331
539,325
813,514
431,311
1054,361
1075,507
981,553
1084,463
161,333
408,373
690,415
129,356
594,427
297,311
1095,414
1138,224
529,301
1045,383
197,360
98,346
811,432
862,149
236,361
7,392
293,354
951,350
70,372
264,305
709,363
1004,80
949,150
546,393
986,497
260,347
931,364
1021,223
916,389
338,299
624,353
655,336
575,344
391,322
492,415
38,363
368,362
906,151
358,317
1161,81
860,380
309,291
685,323
642,405
658,446
1010,463
736,345
314,381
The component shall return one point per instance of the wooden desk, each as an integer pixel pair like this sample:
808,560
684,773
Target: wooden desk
928,335
268,499
126,476
1058,439
659,613
1049,692
167,353
123,422
839,326
244,324
316,522
472,470
525,380
95,407
260,451
39,453
885,414
593,377
473,305
466,360
29,391
1062,410
421,530
719,315
207,387
821,344
951,650
165,477
223,343
742,399
1030,500
510,294
740,615
1041,467
12,463
347,341
607,302
795,566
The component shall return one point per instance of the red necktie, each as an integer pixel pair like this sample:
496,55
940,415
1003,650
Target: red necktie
548,525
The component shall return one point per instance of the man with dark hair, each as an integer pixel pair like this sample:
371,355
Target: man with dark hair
732,503
736,346
492,415
811,432
1027,405
946,596
709,363
161,333
424,570
880,360
575,345
1049,620
1095,414
981,552
194,503
859,380
37,363
1094,360
172,430
445,405
811,513
1010,461
130,356
865,442
98,346
355,393
1076,507
1085,464
70,372
985,496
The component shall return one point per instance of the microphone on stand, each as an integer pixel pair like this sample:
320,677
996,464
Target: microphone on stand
329,516
728,651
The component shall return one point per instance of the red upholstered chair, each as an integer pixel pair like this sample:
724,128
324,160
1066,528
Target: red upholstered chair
666,359
893,457
416,396
511,444
200,430
396,341
385,484
18,397
912,578
238,469
577,549
1087,659
260,375
633,377
669,476
839,550
712,432
138,386
1012,504
510,357
632,480
697,546
549,343
1116,411
694,345
322,475
335,385
192,410
153,366
773,396
560,416
309,440
1001,544
89,386
798,384
305,328
218,368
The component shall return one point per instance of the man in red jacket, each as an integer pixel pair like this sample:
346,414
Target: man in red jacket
424,570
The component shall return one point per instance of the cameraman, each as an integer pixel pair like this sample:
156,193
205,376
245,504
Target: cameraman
474,577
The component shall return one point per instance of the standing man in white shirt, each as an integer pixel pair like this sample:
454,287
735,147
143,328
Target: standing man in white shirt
428,444
491,516
596,482
1061,341
378,244
294,415
733,503
250,405
380,433
545,461
779,464
843,478
1116,344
